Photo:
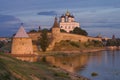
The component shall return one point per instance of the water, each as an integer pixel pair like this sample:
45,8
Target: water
105,63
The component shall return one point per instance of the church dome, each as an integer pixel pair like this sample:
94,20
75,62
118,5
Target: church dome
62,16
72,16
67,13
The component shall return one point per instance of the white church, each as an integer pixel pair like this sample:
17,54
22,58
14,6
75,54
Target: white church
67,22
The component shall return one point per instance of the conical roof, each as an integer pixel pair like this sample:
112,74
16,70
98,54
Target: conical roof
21,33
55,25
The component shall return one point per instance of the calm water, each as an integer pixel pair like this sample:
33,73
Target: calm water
106,64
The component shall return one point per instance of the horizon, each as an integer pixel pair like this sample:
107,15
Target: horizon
95,16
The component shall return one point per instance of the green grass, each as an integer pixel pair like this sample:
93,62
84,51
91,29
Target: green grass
27,70
67,45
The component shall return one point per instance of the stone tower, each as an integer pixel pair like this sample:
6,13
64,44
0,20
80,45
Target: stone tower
22,46
55,29
55,34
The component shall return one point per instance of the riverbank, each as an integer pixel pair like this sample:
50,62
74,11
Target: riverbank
73,75
71,52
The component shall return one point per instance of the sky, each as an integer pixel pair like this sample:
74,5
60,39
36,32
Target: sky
95,16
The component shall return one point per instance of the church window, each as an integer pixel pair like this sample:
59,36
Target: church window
73,27
65,27
69,27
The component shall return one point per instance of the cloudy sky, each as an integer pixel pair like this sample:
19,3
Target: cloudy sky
95,16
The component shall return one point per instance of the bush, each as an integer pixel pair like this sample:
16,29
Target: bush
61,74
79,31
76,44
93,74
44,41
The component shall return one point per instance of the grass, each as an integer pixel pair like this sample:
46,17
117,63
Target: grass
13,69
72,45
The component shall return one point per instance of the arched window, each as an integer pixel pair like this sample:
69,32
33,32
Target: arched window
69,27
65,27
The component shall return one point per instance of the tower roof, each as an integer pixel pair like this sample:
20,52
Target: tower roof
55,25
21,33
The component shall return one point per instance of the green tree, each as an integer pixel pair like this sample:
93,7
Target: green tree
62,30
44,41
80,31
33,30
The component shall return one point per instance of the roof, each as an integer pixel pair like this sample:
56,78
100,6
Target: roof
21,33
67,13
55,25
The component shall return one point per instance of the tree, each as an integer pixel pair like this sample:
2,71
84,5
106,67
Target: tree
32,30
44,41
39,30
62,30
80,31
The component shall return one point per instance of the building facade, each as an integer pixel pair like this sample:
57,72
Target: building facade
67,22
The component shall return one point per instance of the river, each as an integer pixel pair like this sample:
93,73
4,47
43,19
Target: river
106,64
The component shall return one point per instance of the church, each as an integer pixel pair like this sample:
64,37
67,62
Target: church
67,22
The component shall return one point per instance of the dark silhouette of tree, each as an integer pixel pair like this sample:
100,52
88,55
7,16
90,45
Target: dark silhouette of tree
33,30
79,31
39,30
62,30
113,42
44,41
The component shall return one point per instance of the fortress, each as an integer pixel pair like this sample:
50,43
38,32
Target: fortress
56,36
23,47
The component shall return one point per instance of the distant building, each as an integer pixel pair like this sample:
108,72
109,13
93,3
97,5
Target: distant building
22,47
67,22
5,39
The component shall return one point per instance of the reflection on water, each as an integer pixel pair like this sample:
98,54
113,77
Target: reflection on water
106,64
70,63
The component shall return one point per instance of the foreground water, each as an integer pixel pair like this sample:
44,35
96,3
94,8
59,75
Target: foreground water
105,63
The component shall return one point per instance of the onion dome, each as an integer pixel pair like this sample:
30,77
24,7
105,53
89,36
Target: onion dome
72,16
67,13
63,16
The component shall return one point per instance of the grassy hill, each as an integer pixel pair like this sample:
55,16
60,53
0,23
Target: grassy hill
13,69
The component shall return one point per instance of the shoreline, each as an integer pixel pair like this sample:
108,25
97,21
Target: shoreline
73,75
71,52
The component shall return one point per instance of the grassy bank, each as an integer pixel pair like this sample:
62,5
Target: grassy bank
67,45
13,69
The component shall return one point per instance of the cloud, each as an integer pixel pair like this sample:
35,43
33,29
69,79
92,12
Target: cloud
48,13
8,24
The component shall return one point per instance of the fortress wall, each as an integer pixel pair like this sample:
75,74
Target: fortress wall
75,37
22,46
34,36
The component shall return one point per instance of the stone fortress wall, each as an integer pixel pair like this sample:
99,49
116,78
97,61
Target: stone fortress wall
58,36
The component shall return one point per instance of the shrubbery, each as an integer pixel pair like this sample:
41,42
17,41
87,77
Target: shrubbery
44,41
113,42
80,31
76,45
